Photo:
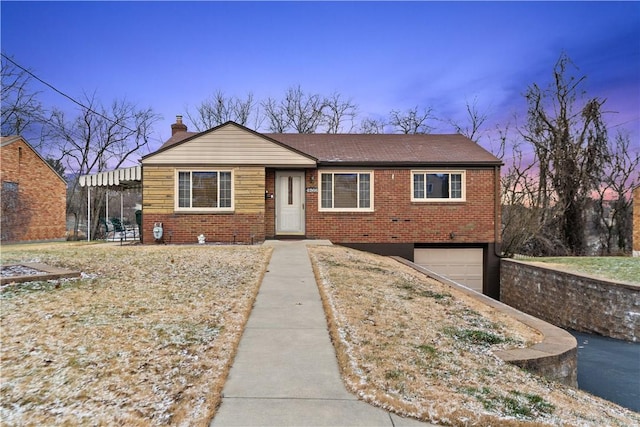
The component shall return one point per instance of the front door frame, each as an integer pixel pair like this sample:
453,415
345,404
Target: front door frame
300,201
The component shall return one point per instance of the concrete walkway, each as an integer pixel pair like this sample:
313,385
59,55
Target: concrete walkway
285,372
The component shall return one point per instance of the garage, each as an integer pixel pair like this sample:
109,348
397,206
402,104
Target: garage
462,265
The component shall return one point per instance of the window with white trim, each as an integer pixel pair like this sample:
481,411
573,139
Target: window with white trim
204,190
346,191
437,186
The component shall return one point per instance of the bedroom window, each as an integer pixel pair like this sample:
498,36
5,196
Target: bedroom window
437,186
346,191
205,190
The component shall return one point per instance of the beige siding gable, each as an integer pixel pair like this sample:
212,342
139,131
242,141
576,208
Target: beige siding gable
229,145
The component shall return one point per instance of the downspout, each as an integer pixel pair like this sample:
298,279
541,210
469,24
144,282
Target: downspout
497,237
493,264
141,227
498,217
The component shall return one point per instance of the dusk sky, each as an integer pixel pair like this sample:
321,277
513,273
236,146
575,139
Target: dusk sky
171,56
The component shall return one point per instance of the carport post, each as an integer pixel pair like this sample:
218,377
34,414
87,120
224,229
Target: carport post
122,209
106,211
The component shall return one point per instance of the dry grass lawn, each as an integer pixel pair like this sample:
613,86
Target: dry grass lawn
417,347
146,337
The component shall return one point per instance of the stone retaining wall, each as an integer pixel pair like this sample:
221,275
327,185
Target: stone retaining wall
572,301
556,357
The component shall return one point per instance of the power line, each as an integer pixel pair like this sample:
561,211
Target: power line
635,119
70,98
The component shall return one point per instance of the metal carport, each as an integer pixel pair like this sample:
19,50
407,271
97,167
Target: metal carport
118,179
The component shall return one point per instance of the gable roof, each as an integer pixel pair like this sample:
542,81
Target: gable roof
229,143
11,139
176,138
367,149
372,149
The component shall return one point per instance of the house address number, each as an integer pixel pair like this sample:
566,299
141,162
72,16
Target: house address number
312,189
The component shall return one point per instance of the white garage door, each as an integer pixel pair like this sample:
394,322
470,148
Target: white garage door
462,265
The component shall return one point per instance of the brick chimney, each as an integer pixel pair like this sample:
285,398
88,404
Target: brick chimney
178,126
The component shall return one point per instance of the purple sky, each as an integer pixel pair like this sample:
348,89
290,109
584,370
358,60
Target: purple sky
383,55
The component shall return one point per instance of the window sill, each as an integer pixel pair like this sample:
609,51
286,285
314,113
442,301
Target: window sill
204,211
423,201
362,211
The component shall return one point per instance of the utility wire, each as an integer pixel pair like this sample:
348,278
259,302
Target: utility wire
70,98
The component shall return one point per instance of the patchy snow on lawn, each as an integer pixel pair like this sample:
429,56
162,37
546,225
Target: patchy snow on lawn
19,270
145,337
420,348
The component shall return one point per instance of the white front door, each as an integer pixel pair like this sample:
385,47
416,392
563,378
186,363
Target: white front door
290,199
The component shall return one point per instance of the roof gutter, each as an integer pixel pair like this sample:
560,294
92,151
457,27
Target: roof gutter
407,164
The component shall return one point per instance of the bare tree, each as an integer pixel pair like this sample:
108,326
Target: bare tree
99,139
21,110
525,228
570,143
275,115
520,215
220,109
337,112
412,121
373,126
298,112
476,119
303,110
614,207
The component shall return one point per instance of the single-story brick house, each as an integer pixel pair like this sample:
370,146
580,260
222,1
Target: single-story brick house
429,198
34,195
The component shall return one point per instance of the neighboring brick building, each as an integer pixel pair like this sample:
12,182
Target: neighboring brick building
429,198
33,194
636,221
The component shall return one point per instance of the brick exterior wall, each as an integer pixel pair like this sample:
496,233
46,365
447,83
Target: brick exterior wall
245,225
399,220
395,220
41,209
221,228
636,221
572,301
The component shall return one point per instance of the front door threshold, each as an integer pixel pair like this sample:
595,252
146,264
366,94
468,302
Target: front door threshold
290,237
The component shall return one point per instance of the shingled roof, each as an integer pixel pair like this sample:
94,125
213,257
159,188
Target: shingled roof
375,149
388,148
